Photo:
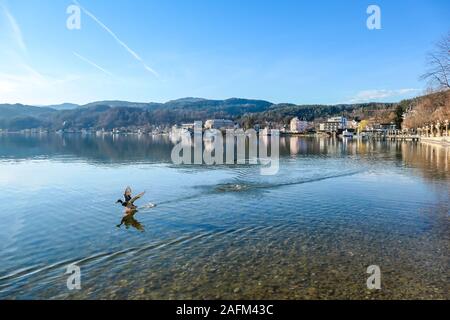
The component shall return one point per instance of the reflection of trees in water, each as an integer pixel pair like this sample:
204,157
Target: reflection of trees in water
103,149
330,146
431,160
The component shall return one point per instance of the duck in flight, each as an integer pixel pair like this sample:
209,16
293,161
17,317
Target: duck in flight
129,200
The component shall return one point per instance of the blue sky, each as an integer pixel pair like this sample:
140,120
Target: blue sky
282,51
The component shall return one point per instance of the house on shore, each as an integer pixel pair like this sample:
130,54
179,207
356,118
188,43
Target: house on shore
298,126
219,124
333,124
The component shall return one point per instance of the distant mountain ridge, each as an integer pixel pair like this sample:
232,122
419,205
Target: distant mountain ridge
63,106
115,114
185,103
15,110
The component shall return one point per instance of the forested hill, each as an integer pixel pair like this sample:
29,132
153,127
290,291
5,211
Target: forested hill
116,114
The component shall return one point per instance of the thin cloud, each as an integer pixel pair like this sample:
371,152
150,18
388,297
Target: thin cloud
16,31
30,77
36,74
93,64
29,86
120,42
33,77
372,95
24,84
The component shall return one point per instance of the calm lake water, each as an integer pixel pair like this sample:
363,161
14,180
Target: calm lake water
223,232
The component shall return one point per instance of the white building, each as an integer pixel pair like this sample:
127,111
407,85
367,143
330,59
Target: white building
333,124
341,120
219,124
297,125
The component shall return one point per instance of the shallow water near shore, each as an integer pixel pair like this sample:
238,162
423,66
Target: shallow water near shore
223,232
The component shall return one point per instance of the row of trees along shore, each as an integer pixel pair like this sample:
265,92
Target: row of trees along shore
434,107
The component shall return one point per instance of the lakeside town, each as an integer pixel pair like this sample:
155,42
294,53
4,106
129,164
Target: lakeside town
339,126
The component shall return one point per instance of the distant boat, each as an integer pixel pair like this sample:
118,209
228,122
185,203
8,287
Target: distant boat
347,134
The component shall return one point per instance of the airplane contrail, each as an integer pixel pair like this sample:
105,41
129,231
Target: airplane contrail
17,33
120,42
93,64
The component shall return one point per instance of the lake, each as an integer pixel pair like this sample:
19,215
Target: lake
335,208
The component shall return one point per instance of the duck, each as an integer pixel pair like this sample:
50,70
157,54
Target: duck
129,200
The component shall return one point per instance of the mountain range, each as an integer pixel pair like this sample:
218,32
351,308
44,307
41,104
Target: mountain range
114,114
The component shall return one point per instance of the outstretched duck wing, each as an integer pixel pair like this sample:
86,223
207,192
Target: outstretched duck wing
137,197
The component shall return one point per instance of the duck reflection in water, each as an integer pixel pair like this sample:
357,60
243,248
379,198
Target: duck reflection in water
129,220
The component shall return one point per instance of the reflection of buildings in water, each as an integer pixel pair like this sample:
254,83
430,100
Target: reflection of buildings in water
264,140
160,138
322,145
283,143
429,160
344,144
294,145
298,145
361,147
330,146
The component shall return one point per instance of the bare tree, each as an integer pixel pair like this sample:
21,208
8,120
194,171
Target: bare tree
438,73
